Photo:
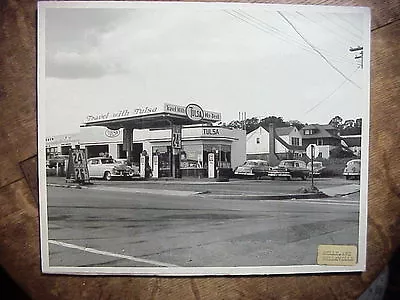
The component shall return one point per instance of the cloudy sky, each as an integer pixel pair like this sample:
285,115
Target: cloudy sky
260,61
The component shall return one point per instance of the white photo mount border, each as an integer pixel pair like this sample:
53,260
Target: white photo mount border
198,271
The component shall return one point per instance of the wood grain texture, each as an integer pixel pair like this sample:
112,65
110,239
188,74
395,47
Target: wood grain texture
19,229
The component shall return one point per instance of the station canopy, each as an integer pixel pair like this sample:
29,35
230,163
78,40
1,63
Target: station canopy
153,117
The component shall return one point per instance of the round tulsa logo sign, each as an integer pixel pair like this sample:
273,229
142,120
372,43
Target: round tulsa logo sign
194,112
111,133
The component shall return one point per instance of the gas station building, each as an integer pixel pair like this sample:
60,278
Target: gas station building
177,140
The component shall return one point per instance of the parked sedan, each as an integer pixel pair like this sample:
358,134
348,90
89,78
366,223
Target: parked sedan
290,169
352,169
108,168
255,168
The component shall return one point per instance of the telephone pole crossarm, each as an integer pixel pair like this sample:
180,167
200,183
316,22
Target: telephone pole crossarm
359,56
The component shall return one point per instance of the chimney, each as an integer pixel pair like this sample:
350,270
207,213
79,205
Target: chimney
272,158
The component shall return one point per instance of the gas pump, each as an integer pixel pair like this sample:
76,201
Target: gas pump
155,166
211,165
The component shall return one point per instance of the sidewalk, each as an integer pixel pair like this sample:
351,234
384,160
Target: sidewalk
234,189
341,190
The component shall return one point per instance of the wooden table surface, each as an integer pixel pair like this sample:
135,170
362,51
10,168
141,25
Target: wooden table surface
19,227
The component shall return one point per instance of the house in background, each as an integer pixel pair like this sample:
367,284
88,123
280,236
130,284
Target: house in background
352,142
326,137
283,143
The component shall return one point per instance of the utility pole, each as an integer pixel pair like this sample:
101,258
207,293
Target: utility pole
242,119
359,55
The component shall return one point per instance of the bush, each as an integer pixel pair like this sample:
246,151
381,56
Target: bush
333,166
340,152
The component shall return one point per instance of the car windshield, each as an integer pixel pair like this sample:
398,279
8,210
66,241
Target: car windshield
107,161
250,163
354,163
286,164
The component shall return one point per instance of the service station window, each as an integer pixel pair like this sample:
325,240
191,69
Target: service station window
222,154
164,159
191,157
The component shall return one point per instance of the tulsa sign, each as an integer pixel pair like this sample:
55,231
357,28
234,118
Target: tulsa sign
194,112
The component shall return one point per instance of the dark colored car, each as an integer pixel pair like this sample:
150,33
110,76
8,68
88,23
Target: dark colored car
290,169
254,168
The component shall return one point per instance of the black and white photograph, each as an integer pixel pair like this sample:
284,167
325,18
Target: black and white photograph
184,138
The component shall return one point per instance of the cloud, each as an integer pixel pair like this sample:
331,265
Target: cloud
77,50
73,65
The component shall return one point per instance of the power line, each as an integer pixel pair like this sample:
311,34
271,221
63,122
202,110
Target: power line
338,37
331,94
259,24
266,30
292,38
357,36
319,52
341,17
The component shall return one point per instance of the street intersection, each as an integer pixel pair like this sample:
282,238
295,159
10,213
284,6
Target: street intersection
197,223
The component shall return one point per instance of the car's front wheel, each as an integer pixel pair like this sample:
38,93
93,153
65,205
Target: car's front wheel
107,175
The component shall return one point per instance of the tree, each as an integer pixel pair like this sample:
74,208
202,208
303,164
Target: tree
348,124
358,123
277,121
252,124
336,122
351,127
235,124
297,124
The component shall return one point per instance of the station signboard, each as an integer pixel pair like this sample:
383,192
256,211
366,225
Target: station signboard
77,169
176,137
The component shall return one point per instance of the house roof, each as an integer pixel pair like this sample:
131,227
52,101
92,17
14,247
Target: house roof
280,131
324,131
283,130
352,141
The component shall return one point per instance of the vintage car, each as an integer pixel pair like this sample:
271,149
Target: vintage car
290,169
133,166
317,168
352,169
254,168
108,168
57,159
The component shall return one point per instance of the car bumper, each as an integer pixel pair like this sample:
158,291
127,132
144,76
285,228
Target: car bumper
278,174
244,173
121,174
351,174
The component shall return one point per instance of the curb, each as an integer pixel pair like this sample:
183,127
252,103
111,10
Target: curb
271,197
209,194
68,186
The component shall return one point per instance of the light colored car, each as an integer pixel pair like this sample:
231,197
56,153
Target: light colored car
108,168
290,169
318,168
254,168
352,169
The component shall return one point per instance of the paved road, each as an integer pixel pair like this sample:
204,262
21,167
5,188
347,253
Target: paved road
89,227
